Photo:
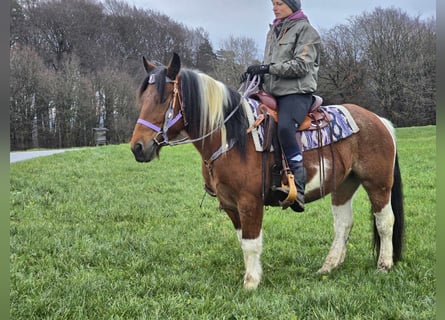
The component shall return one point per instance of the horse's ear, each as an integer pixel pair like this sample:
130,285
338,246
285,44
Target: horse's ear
174,66
148,66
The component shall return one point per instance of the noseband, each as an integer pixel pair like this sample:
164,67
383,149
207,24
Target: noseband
169,120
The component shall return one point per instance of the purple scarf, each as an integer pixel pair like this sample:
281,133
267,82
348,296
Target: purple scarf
297,15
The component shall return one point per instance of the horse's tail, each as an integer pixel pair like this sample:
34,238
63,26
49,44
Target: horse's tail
399,218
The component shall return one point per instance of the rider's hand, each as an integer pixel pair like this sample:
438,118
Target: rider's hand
255,69
258,69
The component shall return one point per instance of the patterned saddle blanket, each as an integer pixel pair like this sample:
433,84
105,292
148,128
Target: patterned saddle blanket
342,124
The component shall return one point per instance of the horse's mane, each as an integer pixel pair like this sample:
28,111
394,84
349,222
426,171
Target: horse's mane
207,103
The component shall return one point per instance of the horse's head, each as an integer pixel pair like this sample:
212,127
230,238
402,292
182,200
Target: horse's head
161,117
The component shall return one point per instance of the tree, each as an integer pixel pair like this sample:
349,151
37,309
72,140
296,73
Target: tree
205,58
115,104
385,60
397,58
343,75
29,96
72,105
65,27
245,50
233,58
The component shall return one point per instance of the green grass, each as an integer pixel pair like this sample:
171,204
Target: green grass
96,235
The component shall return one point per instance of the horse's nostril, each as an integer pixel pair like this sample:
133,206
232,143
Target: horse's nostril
138,149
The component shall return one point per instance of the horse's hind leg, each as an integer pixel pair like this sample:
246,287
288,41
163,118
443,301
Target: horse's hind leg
384,223
343,221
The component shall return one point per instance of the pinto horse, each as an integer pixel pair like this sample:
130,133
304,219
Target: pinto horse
186,106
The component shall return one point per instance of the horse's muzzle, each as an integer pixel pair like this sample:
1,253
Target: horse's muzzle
145,154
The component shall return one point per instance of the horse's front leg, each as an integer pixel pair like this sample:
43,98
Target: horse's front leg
252,249
251,216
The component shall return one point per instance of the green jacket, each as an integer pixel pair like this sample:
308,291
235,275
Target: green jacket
294,58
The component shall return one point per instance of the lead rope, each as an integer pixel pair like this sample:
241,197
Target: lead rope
249,86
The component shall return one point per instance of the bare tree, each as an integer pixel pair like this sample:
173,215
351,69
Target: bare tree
72,104
384,60
29,86
397,58
343,77
244,48
115,104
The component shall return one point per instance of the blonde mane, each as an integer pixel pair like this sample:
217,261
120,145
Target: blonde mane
214,96
208,104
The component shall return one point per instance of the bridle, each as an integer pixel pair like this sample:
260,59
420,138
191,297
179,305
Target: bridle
170,121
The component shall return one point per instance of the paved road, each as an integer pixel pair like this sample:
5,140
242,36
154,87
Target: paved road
26,155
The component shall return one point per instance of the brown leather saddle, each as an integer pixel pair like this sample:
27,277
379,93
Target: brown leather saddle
281,177
315,119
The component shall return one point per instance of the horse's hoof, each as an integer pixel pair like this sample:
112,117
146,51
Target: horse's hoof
250,283
383,269
323,271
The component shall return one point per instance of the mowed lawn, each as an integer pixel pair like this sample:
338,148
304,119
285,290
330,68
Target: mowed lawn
96,235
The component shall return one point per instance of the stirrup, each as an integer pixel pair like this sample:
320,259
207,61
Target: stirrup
291,190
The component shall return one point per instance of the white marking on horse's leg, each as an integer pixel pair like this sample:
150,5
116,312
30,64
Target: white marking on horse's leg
384,223
343,222
239,233
252,249
314,183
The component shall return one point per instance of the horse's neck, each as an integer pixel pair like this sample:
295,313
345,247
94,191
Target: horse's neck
210,147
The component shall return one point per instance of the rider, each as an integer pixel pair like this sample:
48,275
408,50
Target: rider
290,73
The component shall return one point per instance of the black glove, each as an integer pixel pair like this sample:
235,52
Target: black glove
256,69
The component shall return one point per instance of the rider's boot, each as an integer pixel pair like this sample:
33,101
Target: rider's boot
299,177
299,173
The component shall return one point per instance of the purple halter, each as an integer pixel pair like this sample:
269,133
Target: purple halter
169,121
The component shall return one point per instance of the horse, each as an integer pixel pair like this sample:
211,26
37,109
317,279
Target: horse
180,105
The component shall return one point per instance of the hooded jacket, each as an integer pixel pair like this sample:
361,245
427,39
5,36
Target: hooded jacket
293,55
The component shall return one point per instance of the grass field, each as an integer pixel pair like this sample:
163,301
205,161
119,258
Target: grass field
96,235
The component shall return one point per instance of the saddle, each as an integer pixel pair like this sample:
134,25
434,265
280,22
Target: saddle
316,118
281,176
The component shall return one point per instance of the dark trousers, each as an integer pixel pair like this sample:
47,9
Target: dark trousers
292,109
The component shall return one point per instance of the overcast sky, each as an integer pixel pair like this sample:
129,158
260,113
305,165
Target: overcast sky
251,18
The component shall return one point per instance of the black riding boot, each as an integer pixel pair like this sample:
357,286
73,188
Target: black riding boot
299,173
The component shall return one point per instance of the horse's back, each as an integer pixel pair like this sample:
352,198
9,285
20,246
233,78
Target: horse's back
374,146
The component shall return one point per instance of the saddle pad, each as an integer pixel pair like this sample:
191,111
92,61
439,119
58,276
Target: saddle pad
342,124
